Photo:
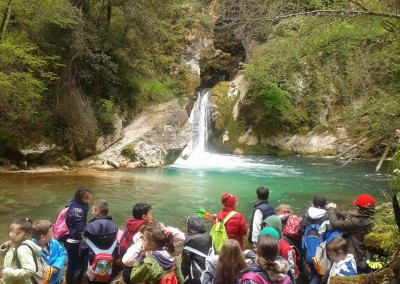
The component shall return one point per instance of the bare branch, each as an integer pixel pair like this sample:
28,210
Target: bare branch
359,5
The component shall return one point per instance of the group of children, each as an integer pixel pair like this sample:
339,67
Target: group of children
282,244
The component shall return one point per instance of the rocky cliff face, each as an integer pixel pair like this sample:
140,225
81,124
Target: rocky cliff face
154,138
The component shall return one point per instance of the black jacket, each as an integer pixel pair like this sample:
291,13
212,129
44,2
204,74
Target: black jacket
200,240
266,209
76,219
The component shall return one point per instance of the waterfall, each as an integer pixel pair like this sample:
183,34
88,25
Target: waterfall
200,120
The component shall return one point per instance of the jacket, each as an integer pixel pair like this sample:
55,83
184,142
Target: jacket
266,210
354,227
235,227
152,268
55,257
76,219
12,274
346,267
102,232
312,216
200,240
209,274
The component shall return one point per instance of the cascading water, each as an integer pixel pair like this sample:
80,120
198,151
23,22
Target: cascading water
200,120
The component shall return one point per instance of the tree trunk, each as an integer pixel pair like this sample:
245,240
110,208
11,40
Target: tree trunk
6,18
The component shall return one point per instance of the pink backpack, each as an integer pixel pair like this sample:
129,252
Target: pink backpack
60,228
259,280
292,227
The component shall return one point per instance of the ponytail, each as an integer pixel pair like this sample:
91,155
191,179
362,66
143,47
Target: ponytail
156,233
169,244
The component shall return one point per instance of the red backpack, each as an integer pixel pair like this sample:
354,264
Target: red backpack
292,227
170,278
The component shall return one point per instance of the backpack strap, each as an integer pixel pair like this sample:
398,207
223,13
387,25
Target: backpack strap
227,217
96,250
195,251
253,277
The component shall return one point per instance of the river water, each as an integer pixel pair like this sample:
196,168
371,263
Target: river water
179,190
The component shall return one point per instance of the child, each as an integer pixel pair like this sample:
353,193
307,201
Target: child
159,259
100,233
198,239
262,211
52,252
286,251
19,262
141,213
76,221
229,266
344,263
268,265
236,226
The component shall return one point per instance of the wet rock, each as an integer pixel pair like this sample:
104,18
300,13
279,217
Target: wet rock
65,168
14,168
106,141
114,164
238,151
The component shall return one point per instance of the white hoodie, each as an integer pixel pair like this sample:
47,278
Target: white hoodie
346,267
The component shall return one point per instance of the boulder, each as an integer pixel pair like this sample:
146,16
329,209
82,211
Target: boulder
154,138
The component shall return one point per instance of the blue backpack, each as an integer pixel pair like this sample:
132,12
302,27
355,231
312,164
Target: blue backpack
311,240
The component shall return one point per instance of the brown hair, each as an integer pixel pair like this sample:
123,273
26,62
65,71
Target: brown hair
230,263
102,206
40,228
283,208
336,245
162,238
267,252
24,224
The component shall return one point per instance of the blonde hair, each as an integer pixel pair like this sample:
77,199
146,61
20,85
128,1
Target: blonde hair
40,228
283,208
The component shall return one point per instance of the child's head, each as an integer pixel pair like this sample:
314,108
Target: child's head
157,238
41,231
319,202
100,208
195,225
365,203
274,222
229,200
267,247
337,249
20,229
230,263
284,208
142,211
262,193
83,195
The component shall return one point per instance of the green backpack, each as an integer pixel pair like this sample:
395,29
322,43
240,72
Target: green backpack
218,232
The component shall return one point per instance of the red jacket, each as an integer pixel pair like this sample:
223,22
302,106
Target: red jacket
236,225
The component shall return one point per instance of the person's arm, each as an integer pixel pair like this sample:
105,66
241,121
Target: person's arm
257,220
133,253
28,266
178,236
61,256
347,225
140,273
242,227
304,224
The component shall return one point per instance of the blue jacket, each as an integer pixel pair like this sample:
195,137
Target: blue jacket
76,219
55,258
102,232
266,209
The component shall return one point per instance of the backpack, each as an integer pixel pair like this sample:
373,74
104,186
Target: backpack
101,268
259,280
60,228
218,232
311,240
193,262
125,241
321,262
43,271
292,227
170,278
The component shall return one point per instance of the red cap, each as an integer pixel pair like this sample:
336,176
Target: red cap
228,200
365,200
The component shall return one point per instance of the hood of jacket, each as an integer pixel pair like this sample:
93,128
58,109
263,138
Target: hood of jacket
133,225
316,213
195,225
163,258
